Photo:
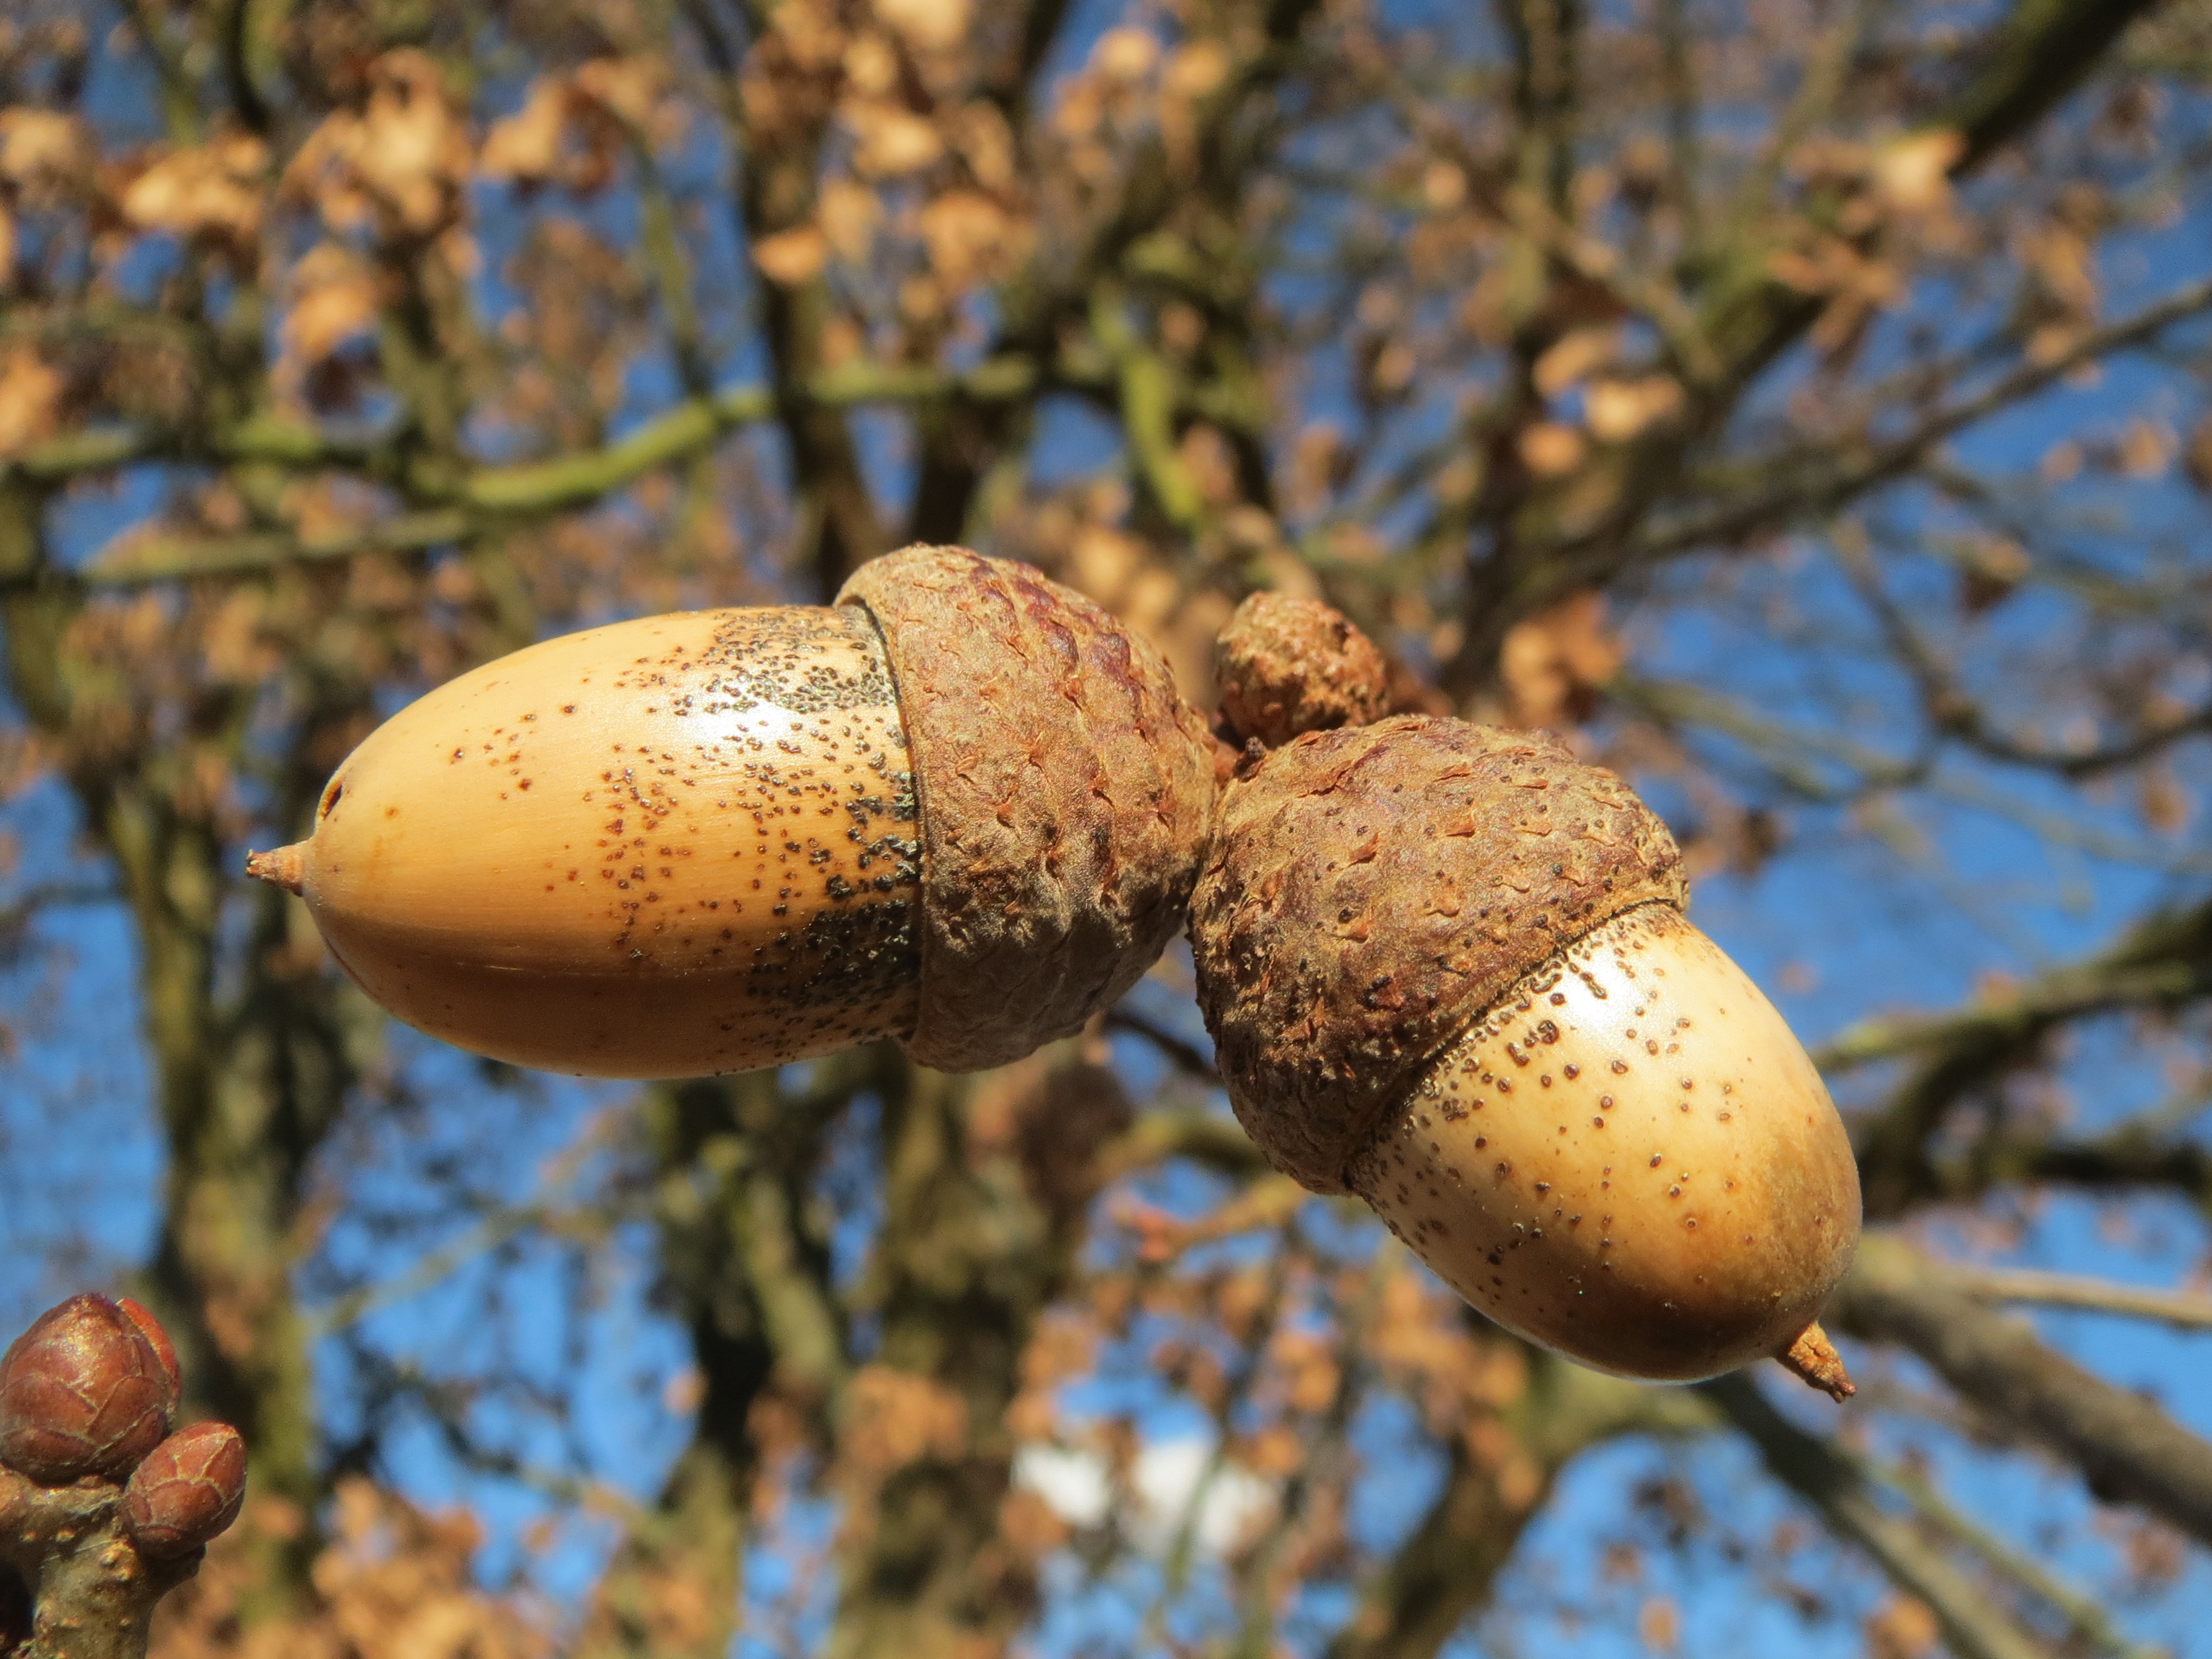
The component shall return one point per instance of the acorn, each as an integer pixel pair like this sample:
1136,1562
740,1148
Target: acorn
962,808
1447,968
83,1391
187,1492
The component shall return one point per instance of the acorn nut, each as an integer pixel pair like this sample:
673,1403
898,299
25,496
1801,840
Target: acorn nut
83,1392
1446,968
962,808
187,1492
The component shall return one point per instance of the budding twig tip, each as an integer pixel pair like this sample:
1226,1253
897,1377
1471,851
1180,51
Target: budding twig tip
1814,1358
287,866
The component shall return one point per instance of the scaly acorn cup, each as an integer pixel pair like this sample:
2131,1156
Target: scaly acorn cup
1446,968
1289,665
962,808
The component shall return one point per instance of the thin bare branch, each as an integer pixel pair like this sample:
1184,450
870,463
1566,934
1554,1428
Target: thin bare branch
2130,1449
2181,1309
1974,1626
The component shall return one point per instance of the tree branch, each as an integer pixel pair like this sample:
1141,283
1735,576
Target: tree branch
2049,1290
1833,1482
2161,962
1841,475
1444,1571
2130,1450
94,1595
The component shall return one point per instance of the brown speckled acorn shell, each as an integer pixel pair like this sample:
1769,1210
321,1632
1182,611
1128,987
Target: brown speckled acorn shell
1372,889
1064,789
1289,665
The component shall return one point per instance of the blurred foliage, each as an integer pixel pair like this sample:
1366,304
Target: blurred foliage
1801,403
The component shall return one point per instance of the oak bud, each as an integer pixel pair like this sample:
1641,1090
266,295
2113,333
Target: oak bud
83,1391
1290,666
187,1491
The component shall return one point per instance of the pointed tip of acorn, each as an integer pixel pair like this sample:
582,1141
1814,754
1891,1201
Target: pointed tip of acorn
1814,1358
285,866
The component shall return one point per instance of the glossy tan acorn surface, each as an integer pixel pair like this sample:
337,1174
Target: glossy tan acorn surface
1630,1159
676,846
1447,967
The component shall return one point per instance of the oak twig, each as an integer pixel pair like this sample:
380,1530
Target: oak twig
2130,1450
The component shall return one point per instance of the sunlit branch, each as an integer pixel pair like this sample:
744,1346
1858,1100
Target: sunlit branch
2161,962
1785,750
2129,1450
2082,1612
447,1406
1782,747
96,1593
173,70
2049,1290
1040,22
235,25
268,438
501,1226
1210,1139
2044,49
1751,319
142,560
1974,1626
1175,1570
1326,1453
1442,1575
1821,84
1596,262
1952,712
1844,474
484,494
1147,403
2116,1163
18,914
661,244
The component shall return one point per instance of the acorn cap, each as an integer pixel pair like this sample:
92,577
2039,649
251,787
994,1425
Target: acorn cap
1289,665
1064,789
1372,890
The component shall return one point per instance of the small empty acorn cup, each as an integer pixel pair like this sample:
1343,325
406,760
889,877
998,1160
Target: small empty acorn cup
963,807
1446,968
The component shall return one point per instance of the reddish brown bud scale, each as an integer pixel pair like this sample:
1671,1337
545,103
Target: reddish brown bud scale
187,1492
83,1392
164,1350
